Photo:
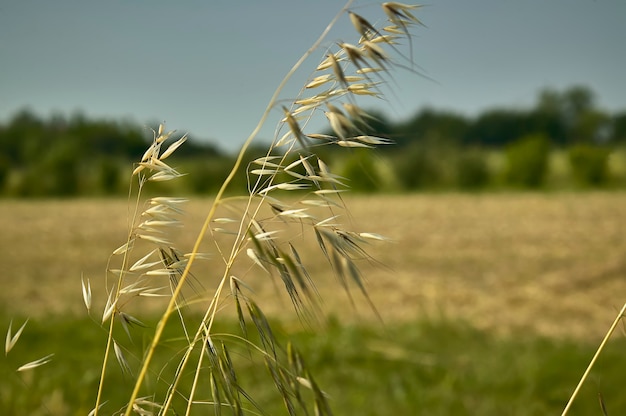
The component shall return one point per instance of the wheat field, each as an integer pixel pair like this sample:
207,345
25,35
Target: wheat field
553,264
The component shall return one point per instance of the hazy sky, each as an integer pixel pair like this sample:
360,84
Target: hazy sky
209,67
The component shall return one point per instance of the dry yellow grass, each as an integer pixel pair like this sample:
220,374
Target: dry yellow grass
550,263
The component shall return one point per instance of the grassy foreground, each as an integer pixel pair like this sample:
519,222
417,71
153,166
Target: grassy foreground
434,367
527,283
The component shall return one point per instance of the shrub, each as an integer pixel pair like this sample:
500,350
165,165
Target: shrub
527,161
417,168
109,176
5,171
472,170
361,172
589,164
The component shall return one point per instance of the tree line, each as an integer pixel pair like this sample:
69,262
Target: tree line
563,141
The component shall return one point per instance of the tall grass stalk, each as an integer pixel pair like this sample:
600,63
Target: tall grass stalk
606,338
259,239
218,198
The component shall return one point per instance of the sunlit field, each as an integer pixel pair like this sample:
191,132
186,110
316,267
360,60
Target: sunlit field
550,263
486,300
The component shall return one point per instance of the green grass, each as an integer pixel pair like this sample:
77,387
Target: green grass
423,367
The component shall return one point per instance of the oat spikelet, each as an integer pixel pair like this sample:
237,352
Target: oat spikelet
86,293
11,340
36,363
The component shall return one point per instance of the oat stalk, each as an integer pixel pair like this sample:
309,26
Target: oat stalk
606,338
257,240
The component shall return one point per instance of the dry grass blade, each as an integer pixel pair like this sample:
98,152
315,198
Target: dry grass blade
109,307
124,248
318,81
154,239
229,370
215,393
321,243
602,405
11,340
284,187
374,236
119,354
95,410
173,147
301,269
362,26
281,262
303,279
86,293
165,176
255,258
225,388
400,13
337,70
36,363
374,140
263,327
350,143
127,321
237,295
295,129
141,263
281,386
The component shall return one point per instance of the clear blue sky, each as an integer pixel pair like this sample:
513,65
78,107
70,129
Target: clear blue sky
210,67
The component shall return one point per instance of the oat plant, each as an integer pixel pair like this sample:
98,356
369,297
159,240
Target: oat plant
583,378
293,196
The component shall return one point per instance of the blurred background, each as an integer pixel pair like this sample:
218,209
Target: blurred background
526,94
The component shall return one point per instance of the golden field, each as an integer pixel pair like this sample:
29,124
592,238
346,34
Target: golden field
551,263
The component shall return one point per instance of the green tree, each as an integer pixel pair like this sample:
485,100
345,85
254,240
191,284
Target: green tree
417,167
472,171
431,124
361,171
109,175
527,161
589,164
618,128
499,127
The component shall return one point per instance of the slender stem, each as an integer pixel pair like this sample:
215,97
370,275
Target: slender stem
203,327
172,304
120,282
593,360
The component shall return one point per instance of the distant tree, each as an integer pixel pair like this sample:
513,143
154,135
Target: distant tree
109,175
5,171
527,161
59,155
571,116
498,127
376,123
589,164
361,172
591,126
61,169
431,124
472,171
577,100
417,167
618,128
